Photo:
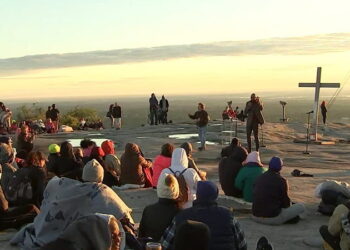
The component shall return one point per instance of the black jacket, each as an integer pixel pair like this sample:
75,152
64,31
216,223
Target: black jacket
157,217
270,194
117,112
228,171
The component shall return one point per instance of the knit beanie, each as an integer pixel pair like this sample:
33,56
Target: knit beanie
54,149
276,164
207,191
93,172
168,187
254,156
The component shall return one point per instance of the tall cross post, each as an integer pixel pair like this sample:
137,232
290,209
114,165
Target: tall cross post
317,85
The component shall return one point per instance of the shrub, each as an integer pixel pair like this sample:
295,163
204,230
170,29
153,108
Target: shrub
72,117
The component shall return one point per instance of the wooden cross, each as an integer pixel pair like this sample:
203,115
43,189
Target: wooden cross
318,85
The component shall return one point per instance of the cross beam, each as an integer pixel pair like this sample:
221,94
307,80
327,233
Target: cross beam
317,85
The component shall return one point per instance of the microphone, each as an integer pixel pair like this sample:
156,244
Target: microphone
310,112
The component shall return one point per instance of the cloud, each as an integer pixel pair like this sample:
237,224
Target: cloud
306,45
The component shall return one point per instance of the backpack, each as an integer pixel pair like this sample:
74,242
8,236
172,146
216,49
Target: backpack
183,188
19,189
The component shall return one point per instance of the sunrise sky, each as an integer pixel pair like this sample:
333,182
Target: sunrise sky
119,48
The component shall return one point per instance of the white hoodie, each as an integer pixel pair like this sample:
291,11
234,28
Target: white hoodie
179,162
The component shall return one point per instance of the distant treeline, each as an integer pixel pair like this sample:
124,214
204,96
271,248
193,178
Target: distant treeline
71,118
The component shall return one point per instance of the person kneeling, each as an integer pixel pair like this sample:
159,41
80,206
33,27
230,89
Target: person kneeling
271,203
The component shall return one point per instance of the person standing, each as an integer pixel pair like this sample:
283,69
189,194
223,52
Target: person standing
153,107
55,116
117,114
164,107
253,110
48,113
324,112
202,118
110,114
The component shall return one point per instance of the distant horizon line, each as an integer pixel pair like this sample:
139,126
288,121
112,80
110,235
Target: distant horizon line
245,94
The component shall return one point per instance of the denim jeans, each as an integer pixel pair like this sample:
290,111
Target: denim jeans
202,134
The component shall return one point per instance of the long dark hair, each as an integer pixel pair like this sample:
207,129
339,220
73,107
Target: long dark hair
67,150
111,107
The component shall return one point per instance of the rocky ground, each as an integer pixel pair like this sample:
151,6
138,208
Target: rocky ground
324,162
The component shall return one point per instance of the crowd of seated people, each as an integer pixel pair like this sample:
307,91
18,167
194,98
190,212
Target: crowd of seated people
54,201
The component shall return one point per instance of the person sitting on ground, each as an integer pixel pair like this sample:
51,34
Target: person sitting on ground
132,164
49,126
18,162
6,161
112,164
161,162
192,235
14,127
54,154
271,202
15,217
227,151
191,163
164,210
99,125
248,174
78,153
24,142
82,124
229,168
105,230
109,178
225,231
224,114
87,146
337,233
37,174
65,201
67,165
179,168
241,116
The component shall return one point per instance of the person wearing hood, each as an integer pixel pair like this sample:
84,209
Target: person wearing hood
248,174
225,231
65,201
6,160
132,163
271,202
229,168
161,162
179,166
112,163
157,217
95,231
